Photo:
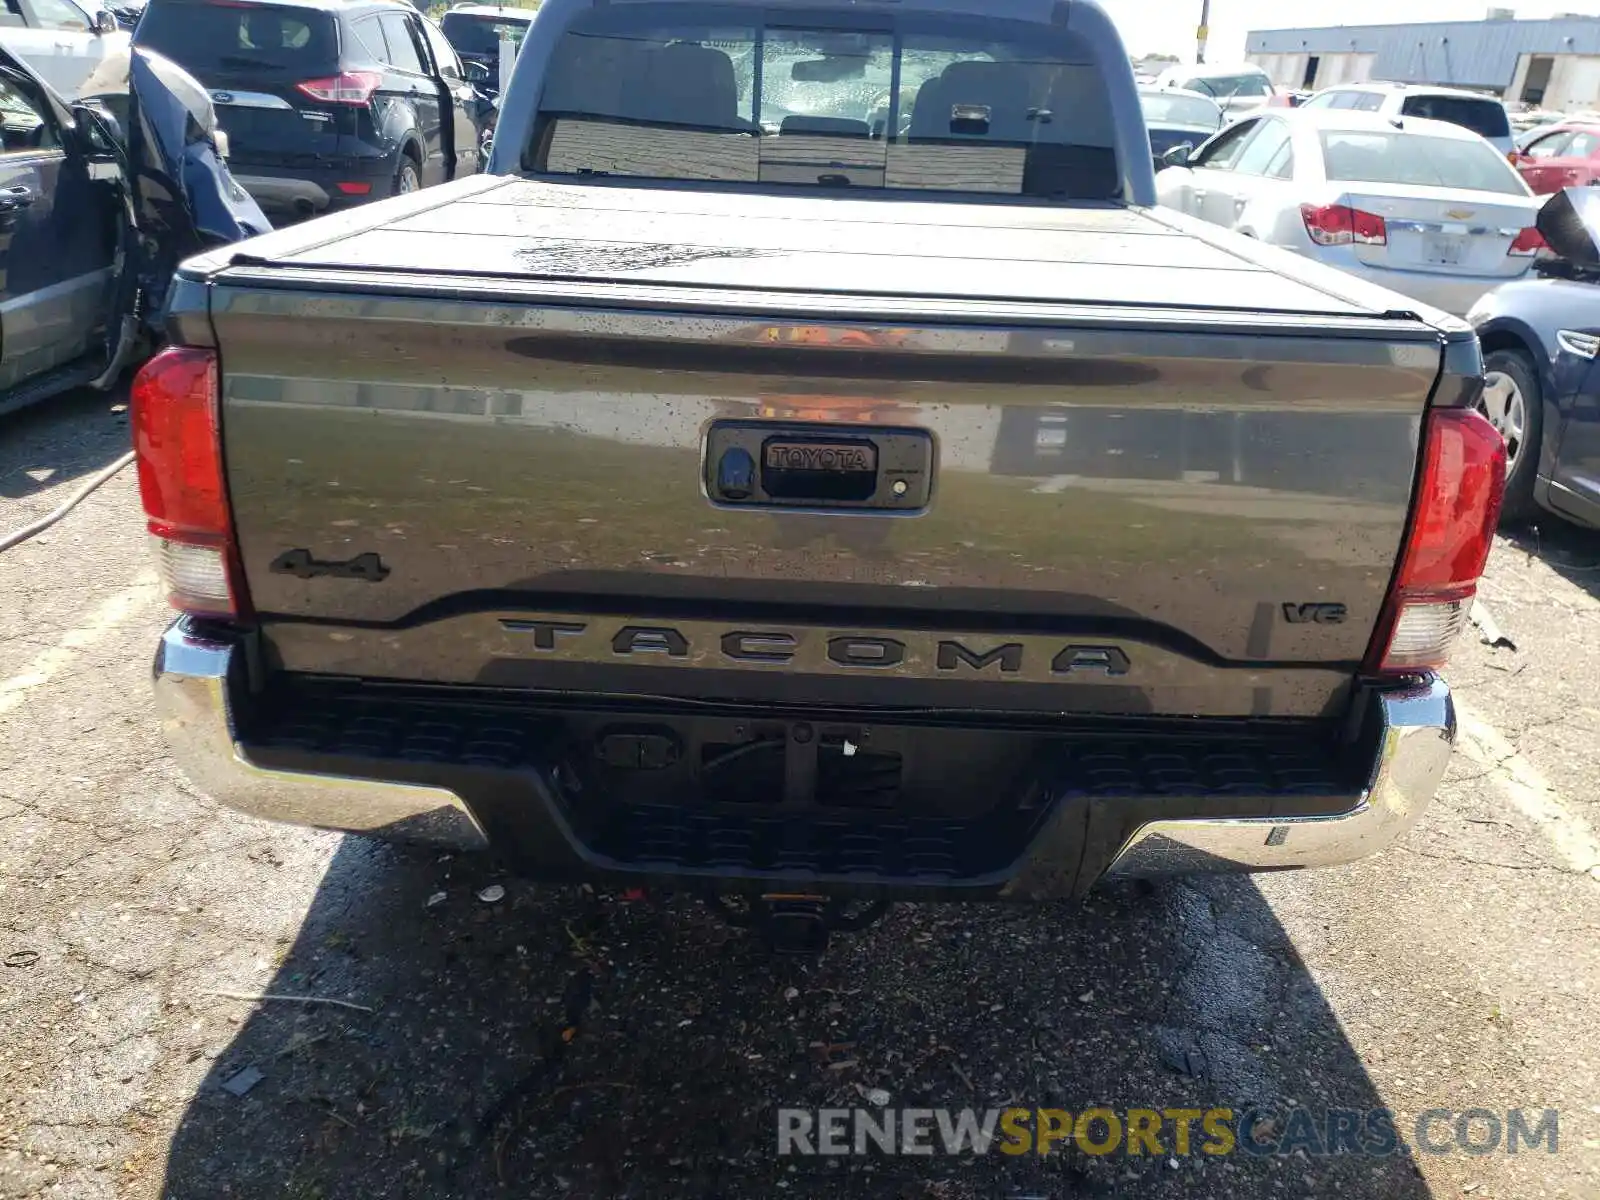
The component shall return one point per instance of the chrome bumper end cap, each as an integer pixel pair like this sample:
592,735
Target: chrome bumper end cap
1418,731
195,679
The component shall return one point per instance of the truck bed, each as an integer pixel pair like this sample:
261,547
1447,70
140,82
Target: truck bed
1167,475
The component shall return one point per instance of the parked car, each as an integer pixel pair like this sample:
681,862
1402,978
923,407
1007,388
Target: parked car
1561,157
1541,340
94,216
476,30
1237,89
326,103
827,648
62,40
1177,118
1484,115
1426,208
1529,122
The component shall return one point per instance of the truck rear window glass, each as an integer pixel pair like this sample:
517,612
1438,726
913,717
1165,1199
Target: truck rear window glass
928,101
1226,87
1174,108
1414,158
235,38
1486,118
480,36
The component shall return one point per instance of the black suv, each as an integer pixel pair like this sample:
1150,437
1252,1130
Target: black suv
326,104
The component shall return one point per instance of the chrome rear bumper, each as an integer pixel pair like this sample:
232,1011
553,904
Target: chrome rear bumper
199,679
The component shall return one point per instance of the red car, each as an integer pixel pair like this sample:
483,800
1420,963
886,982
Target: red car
1566,156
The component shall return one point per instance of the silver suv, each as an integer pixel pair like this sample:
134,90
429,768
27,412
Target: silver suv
1484,115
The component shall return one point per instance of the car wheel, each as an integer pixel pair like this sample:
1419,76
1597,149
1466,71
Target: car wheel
1514,403
407,179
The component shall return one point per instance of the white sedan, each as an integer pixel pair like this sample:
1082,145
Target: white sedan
1424,208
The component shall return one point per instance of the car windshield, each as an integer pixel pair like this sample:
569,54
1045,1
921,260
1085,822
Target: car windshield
479,36
1418,159
1487,118
206,39
1170,108
935,102
1225,86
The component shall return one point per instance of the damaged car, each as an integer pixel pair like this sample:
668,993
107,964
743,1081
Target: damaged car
1541,340
99,201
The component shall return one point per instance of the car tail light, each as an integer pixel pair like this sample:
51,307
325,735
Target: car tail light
178,446
1462,482
1340,225
348,87
1529,241
354,188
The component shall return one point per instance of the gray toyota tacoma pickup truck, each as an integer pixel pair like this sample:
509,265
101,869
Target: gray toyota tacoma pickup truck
808,469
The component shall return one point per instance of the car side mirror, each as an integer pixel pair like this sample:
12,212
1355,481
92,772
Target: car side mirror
1178,156
476,72
100,138
105,22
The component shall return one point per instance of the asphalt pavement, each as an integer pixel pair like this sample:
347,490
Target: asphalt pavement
469,1034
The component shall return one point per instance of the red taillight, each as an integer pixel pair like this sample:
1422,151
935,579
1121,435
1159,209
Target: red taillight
1457,508
348,87
354,189
1339,225
1529,241
178,446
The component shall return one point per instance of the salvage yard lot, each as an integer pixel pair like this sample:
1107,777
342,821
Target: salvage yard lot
553,1043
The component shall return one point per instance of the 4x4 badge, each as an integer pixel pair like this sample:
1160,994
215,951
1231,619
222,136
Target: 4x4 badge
300,564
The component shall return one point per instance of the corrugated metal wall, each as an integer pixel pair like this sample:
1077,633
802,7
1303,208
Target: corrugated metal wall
1479,54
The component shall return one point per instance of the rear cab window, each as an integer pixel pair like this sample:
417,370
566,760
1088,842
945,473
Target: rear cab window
232,38
1178,109
478,35
912,100
1485,117
1352,156
1225,87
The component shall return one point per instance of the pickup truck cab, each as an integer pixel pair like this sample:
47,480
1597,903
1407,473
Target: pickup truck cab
809,465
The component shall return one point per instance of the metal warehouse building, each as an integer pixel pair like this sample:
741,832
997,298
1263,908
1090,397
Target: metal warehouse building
1553,63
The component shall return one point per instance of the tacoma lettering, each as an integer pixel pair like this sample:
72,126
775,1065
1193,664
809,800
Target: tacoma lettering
927,654
1009,657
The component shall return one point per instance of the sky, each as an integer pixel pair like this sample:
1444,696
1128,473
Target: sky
1168,26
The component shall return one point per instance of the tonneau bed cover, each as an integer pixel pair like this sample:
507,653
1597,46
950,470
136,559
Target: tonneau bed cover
686,239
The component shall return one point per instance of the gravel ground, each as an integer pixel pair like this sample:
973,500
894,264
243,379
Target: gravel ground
563,1044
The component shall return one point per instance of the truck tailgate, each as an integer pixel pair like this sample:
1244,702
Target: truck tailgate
468,443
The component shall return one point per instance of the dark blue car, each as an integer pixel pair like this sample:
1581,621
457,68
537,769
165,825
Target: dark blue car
1541,339
99,200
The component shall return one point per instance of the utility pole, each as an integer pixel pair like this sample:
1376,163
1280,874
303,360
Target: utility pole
1204,31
